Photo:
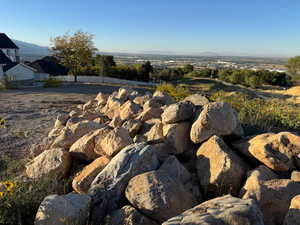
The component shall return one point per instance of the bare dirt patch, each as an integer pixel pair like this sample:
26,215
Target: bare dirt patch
29,114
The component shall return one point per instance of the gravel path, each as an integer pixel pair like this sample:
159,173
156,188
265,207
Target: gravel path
30,113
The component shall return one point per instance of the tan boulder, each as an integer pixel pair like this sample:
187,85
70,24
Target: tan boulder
178,112
115,122
115,140
226,210
140,100
150,113
155,133
164,97
279,152
89,105
133,126
82,181
158,195
99,138
84,147
64,209
256,176
274,197
128,110
215,119
42,146
220,170
112,107
124,93
293,215
295,176
197,99
74,120
101,99
129,216
177,136
54,163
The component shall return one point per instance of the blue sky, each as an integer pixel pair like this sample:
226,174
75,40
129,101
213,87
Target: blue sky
257,27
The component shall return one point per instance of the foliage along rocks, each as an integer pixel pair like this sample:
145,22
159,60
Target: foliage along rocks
165,159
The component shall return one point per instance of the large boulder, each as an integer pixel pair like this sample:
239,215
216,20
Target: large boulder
177,136
197,99
54,163
220,170
150,113
155,133
129,216
112,107
133,126
158,195
109,185
115,140
178,112
42,146
274,197
65,209
140,100
256,176
101,99
84,147
295,176
293,215
128,110
215,119
82,181
279,152
70,135
226,210
164,97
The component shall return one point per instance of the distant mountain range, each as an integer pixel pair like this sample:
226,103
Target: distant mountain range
30,51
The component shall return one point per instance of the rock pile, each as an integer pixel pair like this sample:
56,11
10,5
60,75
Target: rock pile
150,160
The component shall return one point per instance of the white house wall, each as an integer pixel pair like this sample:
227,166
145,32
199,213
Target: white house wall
20,72
1,72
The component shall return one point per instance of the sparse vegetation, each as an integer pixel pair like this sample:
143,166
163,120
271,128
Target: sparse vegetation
177,92
2,122
52,83
262,115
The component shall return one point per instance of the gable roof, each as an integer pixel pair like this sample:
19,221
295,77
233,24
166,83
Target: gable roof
4,59
6,42
49,65
13,64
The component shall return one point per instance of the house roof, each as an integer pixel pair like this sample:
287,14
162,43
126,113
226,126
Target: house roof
4,59
13,64
49,65
6,42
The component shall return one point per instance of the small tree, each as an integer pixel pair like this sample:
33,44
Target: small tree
74,51
293,66
106,64
188,68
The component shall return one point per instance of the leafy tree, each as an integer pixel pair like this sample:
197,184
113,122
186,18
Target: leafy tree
106,64
293,66
188,68
74,51
146,69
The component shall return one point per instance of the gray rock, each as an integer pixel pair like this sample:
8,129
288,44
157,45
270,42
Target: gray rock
197,99
177,112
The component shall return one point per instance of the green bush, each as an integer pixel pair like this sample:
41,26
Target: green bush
20,197
2,122
52,83
177,92
263,115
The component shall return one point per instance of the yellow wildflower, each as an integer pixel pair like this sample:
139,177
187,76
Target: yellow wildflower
1,194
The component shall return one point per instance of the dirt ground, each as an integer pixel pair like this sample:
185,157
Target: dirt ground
30,113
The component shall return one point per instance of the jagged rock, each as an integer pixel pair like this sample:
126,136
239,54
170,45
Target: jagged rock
123,93
177,136
197,99
164,97
74,120
70,135
139,138
108,187
215,119
84,147
158,195
89,105
44,145
116,122
155,133
150,113
178,112
153,103
133,126
256,176
295,176
101,134
226,210
54,163
101,99
128,110
82,181
65,209
87,115
74,113
293,215
220,170
115,140
274,197
279,152
129,216
112,107
141,100
101,119
61,120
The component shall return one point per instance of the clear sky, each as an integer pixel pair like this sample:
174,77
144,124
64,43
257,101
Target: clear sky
258,27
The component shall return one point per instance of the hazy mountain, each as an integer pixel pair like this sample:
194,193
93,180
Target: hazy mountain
30,51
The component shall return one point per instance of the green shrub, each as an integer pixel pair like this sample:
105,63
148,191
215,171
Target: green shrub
177,92
258,114
20,197
52,83
2,122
